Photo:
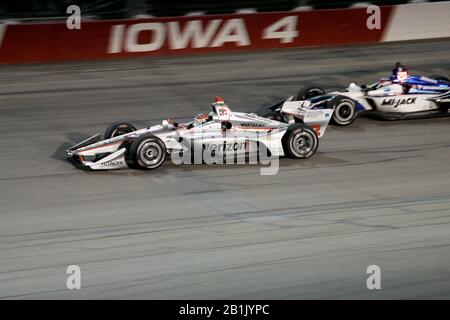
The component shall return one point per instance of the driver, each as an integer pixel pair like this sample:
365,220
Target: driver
399,73
399,76
201,119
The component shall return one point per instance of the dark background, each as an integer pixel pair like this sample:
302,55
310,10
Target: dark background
107,9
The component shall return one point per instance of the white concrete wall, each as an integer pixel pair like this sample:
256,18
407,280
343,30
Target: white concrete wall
419,21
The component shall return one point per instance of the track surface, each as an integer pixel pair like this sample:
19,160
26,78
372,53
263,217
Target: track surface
375,193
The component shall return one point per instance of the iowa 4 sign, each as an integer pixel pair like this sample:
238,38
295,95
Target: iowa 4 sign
196,34
45,42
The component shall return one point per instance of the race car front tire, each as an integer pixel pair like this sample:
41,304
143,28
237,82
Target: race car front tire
147,152
344,110
117,129
300,141
309,92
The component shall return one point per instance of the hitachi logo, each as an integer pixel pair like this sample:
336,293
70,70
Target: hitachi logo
112,163
398,102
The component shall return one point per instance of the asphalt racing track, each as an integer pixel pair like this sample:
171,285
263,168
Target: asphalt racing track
376,192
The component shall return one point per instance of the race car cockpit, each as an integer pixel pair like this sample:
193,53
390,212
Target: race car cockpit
220,111
201,118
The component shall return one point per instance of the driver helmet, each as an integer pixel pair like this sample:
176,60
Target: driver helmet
399,73
200,119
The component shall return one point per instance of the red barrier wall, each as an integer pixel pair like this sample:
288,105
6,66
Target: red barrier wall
48,42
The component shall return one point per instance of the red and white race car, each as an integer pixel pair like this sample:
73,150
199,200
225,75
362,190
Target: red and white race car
208,137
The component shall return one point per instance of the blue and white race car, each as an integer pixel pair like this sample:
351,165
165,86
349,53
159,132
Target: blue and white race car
400,96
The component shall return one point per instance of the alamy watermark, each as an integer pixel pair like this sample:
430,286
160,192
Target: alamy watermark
73,22
229,147
374,280
373,22
73,281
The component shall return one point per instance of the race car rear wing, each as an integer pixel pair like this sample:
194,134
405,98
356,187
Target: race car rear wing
317,118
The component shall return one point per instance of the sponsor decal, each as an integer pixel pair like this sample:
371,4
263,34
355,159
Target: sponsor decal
226,146
314,114
251,125
223,111
112,163
398,102
421,87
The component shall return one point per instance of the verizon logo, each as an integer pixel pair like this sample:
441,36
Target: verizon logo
195,34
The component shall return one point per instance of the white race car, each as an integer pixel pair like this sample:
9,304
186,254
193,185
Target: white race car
412,97
217,134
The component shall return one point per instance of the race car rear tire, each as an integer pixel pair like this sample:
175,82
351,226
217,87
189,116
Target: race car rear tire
438,77
118,128
309,92
300,141
147,152
344,110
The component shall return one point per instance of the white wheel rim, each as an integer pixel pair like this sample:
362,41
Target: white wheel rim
344,111
150,153
303,143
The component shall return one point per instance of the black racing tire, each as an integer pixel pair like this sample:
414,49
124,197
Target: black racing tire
309,92
438,77
344,110
128,158
273,115
147,152
117,129
300,141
